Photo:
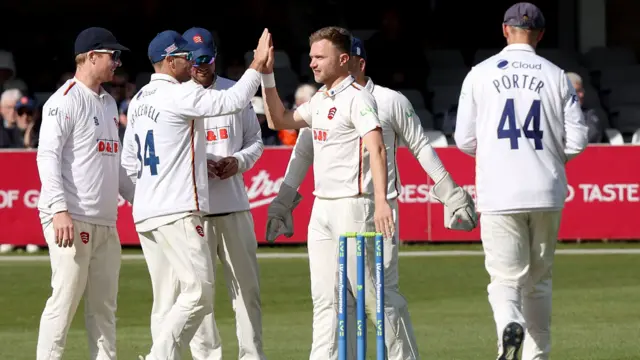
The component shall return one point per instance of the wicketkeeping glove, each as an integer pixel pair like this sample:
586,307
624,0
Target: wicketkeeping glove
459,208
280,213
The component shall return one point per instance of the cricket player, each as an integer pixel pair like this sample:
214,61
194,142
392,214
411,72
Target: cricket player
234,144
166,130
350,182
519,116
79,165
398,121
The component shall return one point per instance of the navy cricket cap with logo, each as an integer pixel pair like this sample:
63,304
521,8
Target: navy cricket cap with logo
166,43
524,15
25,103
202,39
97,38
357,48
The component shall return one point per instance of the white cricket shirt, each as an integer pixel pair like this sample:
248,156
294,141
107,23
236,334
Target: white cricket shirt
339,118
236,135
78,155
166,137
398,120
519,115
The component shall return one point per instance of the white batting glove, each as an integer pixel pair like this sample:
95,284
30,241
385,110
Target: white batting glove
280,213
459,208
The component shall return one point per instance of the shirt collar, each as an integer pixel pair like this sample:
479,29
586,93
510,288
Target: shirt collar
370,85
519,47
164,77
340,87
86,88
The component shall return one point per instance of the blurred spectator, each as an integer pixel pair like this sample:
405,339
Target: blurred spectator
122,126
269,137
24,112
303,94
596,127
386,67
28,121
118,86
9,133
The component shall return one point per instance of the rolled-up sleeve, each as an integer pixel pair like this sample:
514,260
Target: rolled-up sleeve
195,101
465,134
57,125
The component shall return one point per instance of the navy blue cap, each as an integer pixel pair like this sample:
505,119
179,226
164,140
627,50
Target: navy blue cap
166,43
357,48
97,38
25,102
524,15
202,39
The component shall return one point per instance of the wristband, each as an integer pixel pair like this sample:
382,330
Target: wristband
268,80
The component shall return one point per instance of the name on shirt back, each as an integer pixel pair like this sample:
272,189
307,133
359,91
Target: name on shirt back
518,80
148,111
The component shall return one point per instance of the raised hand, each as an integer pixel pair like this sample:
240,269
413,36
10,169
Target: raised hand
261,53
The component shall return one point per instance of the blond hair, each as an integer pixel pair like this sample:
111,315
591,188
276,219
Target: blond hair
339,37
81,59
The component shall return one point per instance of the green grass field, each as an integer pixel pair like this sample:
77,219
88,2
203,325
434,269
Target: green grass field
596,307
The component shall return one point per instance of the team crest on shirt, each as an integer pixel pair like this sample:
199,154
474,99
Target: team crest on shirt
332,113
200,230
95,121
84,236
116,122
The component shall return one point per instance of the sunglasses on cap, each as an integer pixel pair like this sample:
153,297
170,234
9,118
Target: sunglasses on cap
204,60
185,55
115,54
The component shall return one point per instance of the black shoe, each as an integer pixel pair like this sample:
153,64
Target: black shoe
512,338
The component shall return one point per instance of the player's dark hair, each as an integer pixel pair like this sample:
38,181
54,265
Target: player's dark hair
339,37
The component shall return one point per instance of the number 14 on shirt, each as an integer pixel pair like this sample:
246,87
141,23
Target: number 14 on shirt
508,128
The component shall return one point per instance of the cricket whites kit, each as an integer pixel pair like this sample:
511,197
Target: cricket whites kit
166,130
78,158
79,166
398,122
338,118
229,229
519,115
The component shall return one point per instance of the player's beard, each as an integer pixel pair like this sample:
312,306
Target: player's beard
205,77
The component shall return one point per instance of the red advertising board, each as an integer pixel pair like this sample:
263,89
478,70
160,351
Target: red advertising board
603,200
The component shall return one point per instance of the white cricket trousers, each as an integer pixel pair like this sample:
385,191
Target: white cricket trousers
232,239
329,219
180,246
519,250
91,268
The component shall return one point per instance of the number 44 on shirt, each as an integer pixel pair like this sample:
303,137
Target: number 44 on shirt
508,128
